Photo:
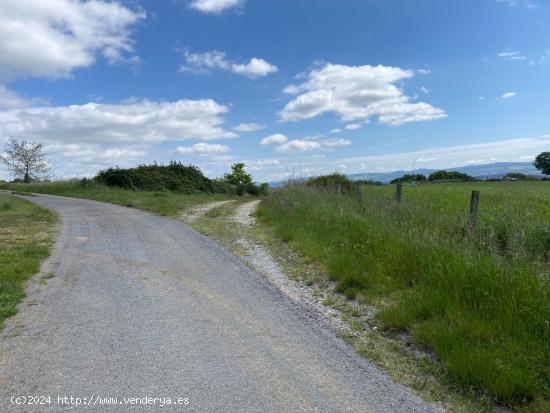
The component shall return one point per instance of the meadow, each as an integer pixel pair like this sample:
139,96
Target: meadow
479,301
26,234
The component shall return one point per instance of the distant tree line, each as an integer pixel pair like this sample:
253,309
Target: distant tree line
434,177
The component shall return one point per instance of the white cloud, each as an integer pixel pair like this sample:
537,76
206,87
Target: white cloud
336,142
203,63
424,71
304,145
354,126
215,6
356,93
81,139
223,158
530,4
424,160
94,153
203,149
261,164
508,95
10,99
276,138
297,145
137,122
511,55
255,68
249,127
337,130
50,38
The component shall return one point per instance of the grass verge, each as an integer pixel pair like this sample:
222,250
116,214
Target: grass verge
480,302
163,203
26,234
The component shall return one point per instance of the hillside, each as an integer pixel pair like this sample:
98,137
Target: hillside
487,171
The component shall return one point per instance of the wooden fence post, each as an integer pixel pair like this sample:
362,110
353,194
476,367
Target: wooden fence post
398,193
474,206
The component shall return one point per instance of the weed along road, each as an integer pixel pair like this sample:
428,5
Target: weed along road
144,312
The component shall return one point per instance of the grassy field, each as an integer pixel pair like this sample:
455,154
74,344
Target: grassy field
480,302
26,233
163,203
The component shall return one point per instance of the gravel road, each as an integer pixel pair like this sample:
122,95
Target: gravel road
144,306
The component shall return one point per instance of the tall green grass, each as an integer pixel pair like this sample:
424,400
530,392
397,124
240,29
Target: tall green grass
164,203
25,240
480,302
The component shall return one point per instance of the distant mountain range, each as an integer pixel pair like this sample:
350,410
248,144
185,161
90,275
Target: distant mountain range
488,171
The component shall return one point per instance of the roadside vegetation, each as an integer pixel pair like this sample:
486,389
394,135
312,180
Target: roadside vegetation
26,233
161,202
480,301
163,189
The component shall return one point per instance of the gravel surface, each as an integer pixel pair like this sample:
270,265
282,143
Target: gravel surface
261,259
144,306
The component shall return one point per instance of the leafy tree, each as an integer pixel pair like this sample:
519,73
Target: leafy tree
238,175
26,160
542,163
450,176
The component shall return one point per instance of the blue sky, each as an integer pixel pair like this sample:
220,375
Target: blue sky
299,87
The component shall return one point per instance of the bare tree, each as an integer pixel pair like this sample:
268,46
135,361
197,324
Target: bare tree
25,160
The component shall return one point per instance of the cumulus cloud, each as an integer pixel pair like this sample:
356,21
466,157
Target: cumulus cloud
249,127
304,145
50,38
255,68
81,139
274,139
203,149
140,122
354,126
508,95
356,93
203,63
215,6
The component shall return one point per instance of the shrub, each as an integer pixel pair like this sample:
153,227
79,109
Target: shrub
174,177
241,190
252,189
337,183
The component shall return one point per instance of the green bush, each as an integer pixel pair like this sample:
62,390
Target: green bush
335,183
174,177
